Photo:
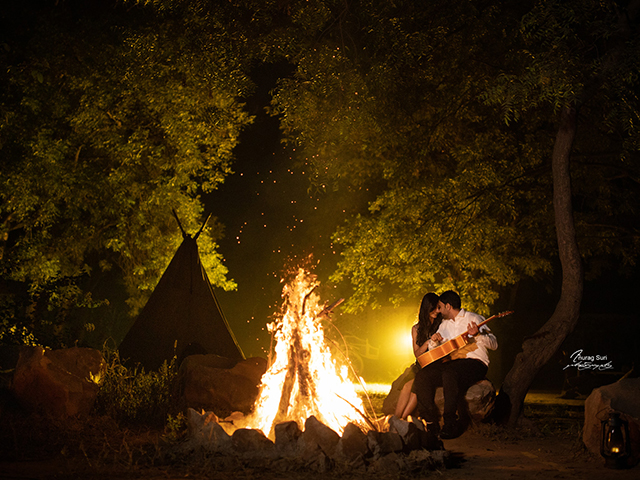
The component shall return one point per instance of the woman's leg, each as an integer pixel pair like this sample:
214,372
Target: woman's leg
403,399
411,405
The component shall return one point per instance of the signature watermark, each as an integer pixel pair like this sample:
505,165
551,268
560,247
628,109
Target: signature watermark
589,362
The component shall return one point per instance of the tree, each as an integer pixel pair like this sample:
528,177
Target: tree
585,55
409,101
391,104
109,120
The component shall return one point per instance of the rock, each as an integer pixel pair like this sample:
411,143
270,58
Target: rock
236,417
222,390
383,443
234,421
287,435
428,440
252,368
316,445
390,463
252,443
318,435
621,396
417,440
318,461
353,444
480,399
411,435
205,432
398,425
60,383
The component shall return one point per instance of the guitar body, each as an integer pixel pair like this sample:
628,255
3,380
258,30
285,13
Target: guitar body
443,350
450,346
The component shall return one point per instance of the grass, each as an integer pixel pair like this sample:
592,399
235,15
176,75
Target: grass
554,416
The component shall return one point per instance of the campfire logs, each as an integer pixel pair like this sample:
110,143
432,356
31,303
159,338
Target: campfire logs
303,378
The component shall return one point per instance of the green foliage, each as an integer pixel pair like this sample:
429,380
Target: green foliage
584,54
108,121
175,427
408,100
390,101
441,113
133,396
13,332
42,314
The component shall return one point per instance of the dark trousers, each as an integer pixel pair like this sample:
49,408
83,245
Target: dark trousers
455,377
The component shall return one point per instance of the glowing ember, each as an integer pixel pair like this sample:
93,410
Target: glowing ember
303,378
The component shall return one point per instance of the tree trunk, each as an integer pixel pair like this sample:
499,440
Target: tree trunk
540,347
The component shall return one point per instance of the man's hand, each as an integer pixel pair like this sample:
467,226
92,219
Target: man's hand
436,337
472,329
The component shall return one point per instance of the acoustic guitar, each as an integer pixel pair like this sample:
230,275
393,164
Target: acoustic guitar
452,345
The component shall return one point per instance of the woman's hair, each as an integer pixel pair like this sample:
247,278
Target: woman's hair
425,328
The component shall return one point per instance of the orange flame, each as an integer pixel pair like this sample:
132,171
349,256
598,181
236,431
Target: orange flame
303,378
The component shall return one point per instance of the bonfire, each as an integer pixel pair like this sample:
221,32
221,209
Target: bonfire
303,377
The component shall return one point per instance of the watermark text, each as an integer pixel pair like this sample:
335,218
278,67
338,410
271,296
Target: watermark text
589,362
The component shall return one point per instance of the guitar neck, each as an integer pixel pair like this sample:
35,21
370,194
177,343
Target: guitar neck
497,315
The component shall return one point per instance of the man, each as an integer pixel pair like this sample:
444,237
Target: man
457,372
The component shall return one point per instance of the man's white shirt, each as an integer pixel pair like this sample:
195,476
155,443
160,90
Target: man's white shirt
484,340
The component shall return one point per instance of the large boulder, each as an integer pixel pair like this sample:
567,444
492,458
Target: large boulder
622,397
60,383
480,397
208,383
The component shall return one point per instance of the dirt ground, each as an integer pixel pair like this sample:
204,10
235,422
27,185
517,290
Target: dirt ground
547,457
482,456
552,450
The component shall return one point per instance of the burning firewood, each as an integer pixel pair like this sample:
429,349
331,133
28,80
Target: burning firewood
303,378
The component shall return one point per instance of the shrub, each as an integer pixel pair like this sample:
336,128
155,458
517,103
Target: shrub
133,396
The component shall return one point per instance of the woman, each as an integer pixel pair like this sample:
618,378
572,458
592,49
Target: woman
428,322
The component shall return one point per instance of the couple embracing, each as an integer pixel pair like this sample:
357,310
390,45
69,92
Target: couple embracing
442,318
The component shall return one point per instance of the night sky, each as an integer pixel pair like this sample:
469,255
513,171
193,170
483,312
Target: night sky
275,219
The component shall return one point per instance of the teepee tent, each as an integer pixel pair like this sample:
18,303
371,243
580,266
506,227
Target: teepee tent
181,317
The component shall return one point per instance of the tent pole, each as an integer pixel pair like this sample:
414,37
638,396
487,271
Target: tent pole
184,234
202,227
